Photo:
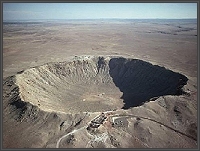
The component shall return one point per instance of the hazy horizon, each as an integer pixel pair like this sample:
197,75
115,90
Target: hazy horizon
83,11
99,20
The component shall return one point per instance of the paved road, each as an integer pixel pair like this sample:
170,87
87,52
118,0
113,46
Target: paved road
105,136
74,131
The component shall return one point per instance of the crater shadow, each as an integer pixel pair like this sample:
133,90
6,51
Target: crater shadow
140,81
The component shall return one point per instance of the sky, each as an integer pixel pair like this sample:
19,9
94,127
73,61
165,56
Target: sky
36,11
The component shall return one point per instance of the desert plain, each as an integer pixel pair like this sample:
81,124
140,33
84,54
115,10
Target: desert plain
100,84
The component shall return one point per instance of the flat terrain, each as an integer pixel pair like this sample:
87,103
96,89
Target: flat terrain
35,114
170,44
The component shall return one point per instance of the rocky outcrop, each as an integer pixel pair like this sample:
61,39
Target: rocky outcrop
100,102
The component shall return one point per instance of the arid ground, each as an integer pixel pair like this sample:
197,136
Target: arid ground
100,84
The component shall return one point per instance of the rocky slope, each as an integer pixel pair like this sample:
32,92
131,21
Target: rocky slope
100,102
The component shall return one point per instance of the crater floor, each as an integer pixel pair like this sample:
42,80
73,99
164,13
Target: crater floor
99,102
96,84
